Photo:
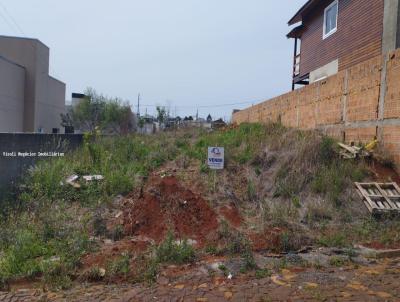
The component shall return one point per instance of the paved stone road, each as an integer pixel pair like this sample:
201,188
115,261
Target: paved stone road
378,282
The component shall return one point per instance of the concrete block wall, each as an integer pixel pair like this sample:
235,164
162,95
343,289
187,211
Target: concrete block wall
354,105
14,167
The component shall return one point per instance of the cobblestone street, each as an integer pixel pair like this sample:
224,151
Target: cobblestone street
377,282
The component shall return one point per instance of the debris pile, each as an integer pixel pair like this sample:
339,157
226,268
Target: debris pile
351,152
165,205
73,180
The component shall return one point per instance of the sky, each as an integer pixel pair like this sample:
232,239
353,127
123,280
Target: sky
187,55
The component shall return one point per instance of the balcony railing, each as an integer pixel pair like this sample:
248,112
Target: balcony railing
296,67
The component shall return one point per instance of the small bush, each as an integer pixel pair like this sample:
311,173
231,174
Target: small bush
56,276
251,190
248,261
333,240
327,150
262,273
95,274
99,225
223,269
281,214
338,261
204,168
212,250
119,266
117,233
317,213
172,252
150,272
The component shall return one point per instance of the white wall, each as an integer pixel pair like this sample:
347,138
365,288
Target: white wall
50,107
12,87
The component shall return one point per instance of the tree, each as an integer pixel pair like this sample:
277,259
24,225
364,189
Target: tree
161,114
96,111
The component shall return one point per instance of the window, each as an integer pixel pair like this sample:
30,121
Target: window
330,19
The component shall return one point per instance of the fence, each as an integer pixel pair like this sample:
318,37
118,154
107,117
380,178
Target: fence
20,151
356,105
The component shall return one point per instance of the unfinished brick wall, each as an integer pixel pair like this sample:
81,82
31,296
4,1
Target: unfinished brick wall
354,105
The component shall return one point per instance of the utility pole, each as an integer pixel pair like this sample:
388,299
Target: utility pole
138,105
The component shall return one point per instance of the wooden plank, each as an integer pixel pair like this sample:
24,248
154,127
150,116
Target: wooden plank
384,195
371,205
396,186
349,148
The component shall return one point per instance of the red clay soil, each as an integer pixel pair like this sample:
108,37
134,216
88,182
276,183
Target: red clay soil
167,205
268,240
110,252
380,246
383,173
231,214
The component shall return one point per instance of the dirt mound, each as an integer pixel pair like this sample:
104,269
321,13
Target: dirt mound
231,213
166,205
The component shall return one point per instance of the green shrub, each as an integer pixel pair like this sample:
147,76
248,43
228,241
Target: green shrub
327,150
56,276
339,261
117,233
119,266
262,273
338,239
251,190
248,261
99,225
171,251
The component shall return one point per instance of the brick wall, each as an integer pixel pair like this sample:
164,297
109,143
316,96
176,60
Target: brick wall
354,105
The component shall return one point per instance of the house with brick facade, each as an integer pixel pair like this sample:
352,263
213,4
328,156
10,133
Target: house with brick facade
333,35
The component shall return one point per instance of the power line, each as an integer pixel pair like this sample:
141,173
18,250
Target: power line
12,18
204,106
7,21
18,29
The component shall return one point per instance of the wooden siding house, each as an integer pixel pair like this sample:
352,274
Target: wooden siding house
332,35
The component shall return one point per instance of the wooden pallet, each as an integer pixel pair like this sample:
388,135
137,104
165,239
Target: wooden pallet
351,152
380,197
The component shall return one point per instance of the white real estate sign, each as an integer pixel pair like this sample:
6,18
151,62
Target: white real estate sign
216,158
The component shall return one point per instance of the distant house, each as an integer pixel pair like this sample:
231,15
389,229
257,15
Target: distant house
30,99
218,124
147,124
332,35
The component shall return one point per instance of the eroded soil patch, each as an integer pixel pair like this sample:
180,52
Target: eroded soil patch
166,205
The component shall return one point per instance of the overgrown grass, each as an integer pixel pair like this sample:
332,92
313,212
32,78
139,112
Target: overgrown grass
121,160
314,164
241,144
50,247
170,251
39,239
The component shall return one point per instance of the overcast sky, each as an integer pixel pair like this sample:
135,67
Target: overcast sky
187,54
